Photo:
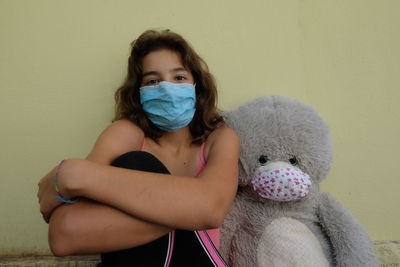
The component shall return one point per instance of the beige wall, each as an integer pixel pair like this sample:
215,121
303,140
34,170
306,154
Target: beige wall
60,62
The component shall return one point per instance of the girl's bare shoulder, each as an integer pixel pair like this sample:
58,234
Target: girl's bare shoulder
118,138
223,138
222,132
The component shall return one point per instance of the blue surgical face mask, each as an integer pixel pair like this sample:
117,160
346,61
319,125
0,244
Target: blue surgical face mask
169,106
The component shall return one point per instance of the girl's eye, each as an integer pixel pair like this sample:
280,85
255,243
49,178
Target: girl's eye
180,78
151,82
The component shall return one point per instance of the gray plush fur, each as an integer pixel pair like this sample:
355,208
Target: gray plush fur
280,128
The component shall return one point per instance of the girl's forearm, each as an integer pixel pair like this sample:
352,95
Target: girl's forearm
75,229
173,201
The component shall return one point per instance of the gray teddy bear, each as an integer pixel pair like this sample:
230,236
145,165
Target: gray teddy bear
279,217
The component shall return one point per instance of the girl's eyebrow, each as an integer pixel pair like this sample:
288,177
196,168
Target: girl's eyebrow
157,73
150,73
178,69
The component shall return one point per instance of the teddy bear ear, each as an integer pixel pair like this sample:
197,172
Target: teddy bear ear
228,116
225,114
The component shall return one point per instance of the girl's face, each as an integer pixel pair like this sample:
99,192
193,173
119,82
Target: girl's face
164,66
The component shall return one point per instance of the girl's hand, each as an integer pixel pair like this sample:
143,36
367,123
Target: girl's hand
47,195
67,173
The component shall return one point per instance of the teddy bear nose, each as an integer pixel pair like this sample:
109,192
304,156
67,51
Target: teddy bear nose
281,182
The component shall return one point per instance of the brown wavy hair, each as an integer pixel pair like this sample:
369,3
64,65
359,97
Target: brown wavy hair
127,97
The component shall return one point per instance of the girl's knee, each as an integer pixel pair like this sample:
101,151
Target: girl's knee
141,161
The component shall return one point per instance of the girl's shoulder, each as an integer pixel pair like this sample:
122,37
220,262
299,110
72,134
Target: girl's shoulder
123,131
118,138
221,138
221,133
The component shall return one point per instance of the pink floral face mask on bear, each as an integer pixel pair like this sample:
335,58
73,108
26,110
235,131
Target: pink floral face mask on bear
280,181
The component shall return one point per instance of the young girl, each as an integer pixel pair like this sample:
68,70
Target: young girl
173,166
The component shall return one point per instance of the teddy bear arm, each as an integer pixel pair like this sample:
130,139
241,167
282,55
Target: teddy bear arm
351,244
230,230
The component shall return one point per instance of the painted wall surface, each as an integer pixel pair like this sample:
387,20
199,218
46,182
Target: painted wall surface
61,61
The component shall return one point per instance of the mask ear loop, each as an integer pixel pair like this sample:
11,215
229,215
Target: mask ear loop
195,96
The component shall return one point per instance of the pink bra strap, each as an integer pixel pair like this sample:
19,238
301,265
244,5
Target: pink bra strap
202,162
202,158
143,144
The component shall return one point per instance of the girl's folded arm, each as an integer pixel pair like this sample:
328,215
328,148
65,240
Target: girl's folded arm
202,202
169,200
75,229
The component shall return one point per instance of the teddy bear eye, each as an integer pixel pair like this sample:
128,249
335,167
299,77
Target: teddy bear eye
293,160
263,159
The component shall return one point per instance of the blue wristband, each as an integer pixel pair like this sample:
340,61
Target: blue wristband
64,200
59,196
